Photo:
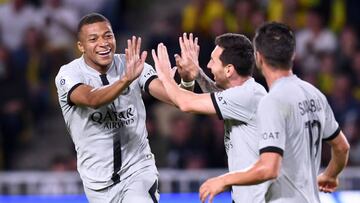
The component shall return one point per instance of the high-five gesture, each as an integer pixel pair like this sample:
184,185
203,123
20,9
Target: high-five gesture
187,63
134,63
162,62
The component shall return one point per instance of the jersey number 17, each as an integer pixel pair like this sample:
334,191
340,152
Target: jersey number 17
314,127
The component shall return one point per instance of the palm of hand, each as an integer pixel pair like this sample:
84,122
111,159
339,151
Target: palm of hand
133,68
162,62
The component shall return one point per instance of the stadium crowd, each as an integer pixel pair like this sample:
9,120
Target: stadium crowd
38,36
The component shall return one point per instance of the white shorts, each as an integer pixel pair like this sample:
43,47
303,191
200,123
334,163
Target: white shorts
140,187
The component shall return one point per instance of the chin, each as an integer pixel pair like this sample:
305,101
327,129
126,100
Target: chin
105,62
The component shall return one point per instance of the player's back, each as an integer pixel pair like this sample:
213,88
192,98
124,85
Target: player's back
303,119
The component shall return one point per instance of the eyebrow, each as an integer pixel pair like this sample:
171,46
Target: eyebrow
95,35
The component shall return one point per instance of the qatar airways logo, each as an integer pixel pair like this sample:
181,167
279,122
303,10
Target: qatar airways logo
113,119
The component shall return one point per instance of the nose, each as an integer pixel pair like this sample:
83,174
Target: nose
104,42
209,65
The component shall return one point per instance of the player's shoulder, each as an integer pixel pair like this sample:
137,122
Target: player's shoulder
73,67
258,88
250,86
313,90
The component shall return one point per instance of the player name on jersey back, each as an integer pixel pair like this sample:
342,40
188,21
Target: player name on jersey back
309,105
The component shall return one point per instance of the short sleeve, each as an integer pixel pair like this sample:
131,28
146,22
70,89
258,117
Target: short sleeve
147,75
271,117
233,103
331,128
66,81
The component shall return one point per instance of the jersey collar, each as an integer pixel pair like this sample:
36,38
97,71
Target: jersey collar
282,79
94,72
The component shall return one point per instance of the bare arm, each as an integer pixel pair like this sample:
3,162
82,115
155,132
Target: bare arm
205,83
266,168
187,101
157,90
328,180
85,95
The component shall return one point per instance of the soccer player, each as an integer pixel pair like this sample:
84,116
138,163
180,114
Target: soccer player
294,119
100,97
235,100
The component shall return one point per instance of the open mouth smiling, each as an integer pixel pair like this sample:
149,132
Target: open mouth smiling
104,53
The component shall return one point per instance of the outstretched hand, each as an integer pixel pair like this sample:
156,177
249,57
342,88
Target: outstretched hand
134,62
162,62
326,183
188,62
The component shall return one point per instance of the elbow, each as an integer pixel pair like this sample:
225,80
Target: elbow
184,107
267,173
273,175
92,103
344,149
270,174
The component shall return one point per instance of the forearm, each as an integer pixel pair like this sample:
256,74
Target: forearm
339,158
254,175
104,95
205,83
177,95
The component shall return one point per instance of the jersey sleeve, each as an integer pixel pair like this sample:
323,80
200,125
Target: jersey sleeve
66,81
147,75
331,128
271,117
234,103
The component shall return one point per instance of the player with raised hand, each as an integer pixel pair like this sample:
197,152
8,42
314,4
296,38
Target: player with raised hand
291,130
231,63
100,98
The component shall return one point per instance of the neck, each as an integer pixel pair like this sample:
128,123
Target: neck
271,74
101,69
238,81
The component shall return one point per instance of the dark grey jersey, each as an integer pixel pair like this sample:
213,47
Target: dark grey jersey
237,106
94,130
294,119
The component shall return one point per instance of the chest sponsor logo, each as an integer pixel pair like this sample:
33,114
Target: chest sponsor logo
113,119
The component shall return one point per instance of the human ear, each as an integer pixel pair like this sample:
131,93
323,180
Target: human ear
258,58
80,47
229,70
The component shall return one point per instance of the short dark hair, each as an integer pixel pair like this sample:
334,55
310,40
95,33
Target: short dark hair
276,42
238,51
90,19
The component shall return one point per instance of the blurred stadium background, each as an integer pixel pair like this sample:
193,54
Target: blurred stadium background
38,36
